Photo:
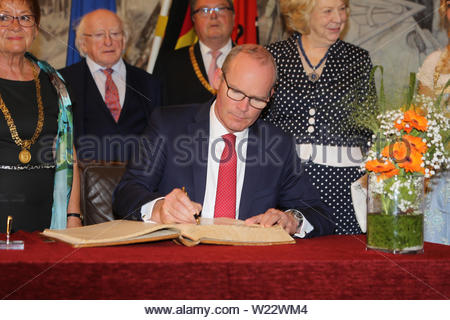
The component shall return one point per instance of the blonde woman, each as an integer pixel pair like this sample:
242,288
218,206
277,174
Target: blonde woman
319,76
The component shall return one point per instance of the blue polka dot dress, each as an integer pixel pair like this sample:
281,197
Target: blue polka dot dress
317,113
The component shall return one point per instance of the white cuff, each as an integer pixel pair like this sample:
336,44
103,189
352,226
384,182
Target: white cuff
304,229
147,209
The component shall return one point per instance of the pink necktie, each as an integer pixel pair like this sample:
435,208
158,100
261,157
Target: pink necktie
226,183
213,65
112,100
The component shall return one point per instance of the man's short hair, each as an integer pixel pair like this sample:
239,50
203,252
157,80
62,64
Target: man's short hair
80,30
194,3
256,51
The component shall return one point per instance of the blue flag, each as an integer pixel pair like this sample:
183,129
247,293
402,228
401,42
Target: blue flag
80,8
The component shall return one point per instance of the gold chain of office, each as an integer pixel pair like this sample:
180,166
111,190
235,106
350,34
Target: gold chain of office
25,145
198,73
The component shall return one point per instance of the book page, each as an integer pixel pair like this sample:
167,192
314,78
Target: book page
108,232
231,232
219,231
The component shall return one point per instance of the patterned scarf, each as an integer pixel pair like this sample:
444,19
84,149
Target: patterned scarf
64,147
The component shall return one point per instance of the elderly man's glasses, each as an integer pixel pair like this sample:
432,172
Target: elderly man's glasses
205,12
27,20
236,95
101,36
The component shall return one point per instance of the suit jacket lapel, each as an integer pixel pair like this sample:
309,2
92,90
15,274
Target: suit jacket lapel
97,97
252,172
129,85
199,133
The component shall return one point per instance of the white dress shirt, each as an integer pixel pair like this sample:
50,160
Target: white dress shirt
215,148
119,77
206,55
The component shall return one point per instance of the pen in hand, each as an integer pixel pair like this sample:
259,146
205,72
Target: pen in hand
196,214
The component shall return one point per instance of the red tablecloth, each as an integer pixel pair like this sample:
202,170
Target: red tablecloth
333,267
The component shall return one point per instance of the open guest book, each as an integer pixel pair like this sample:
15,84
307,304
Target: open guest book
222,231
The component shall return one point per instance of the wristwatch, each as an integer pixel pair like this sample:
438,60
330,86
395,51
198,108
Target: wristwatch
297,216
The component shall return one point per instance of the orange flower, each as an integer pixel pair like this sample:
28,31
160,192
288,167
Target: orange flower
386,168
412,120
389,174
418,122
403,125
412,162
398,151
378,165
417,143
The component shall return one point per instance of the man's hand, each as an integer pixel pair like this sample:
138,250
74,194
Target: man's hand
176,207
274,216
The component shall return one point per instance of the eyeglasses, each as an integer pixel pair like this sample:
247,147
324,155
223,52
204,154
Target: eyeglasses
205,12
27,20
236,95
101,36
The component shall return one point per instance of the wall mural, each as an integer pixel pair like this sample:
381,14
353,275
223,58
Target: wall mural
398,33
51,43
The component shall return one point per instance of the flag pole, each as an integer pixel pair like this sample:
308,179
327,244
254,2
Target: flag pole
159,33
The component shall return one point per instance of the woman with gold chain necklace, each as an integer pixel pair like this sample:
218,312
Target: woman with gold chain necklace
38,179
433,76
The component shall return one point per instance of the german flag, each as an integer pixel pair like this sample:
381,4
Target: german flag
187,34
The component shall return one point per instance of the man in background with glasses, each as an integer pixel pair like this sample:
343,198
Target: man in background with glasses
186,73
218,160
112,99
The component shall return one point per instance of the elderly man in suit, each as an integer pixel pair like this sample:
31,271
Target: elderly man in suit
230,163
112,99
186,74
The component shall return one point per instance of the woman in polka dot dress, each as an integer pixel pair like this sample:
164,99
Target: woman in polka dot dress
318,77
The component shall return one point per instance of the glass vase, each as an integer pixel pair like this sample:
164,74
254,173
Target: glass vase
395,208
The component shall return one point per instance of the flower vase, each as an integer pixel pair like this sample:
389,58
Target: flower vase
395,208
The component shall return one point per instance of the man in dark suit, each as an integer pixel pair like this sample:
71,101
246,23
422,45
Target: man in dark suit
112,99
230,163
185,73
